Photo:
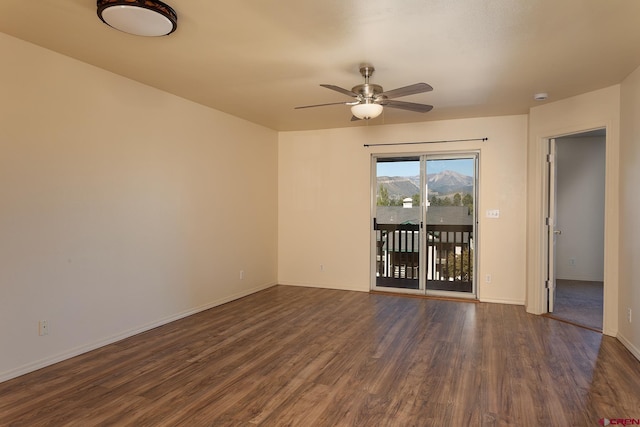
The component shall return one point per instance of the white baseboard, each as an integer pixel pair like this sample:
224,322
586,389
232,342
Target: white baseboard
632,348
347,288
34,366
503,301
313,285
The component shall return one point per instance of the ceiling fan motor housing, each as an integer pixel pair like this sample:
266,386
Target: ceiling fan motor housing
367,91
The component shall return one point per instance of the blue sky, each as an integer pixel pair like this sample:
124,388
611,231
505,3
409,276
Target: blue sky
412,168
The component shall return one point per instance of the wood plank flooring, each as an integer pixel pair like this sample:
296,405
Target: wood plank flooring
293,356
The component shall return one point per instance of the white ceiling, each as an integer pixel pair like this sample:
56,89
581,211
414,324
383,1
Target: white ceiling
258,59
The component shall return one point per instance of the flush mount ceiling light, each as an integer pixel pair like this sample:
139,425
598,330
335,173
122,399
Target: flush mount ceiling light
138,17
541,96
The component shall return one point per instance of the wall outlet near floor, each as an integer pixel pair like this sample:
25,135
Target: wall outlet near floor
629,314
572,262
487,278
43,328
241,274
321,267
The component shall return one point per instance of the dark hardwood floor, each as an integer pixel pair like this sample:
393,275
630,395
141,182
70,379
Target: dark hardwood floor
292,356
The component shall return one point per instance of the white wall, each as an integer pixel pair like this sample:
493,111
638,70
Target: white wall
123,207
325,200
593,110
580,208
629,333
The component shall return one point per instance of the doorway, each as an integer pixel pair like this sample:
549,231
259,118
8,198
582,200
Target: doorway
424,223
576,237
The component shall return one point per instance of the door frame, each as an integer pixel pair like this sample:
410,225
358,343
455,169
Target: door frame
424,156
551,221
540,306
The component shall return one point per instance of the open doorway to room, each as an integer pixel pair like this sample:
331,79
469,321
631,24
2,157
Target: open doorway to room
576,237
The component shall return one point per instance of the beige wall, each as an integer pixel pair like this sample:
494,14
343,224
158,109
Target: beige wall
325,200
598,109
629,333
123,207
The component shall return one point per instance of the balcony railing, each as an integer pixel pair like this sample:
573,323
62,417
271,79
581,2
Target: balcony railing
449,256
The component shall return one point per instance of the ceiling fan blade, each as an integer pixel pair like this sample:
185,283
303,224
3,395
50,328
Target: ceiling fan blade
322,105
411,106
341,90
407,90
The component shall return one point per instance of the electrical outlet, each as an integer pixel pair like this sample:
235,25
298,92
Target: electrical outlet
43,328
572,262
487,278
629,314
241,274
321,267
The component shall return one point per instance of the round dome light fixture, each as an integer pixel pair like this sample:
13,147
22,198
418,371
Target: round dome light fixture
367,110
151,18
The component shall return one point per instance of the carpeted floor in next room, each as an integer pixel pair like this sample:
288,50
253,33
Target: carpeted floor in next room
579,302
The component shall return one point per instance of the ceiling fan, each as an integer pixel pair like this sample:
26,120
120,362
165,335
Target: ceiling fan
369,99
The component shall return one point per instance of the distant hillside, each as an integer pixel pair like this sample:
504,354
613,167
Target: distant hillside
400,187
449,182
438,184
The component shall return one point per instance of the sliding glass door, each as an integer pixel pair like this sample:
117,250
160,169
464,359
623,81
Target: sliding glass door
424,221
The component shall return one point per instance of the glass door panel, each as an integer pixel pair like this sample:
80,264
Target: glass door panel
450,220
396,225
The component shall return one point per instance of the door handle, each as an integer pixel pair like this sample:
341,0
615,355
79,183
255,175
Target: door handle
557,232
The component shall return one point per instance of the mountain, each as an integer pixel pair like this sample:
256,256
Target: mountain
442,183
449,182
400,187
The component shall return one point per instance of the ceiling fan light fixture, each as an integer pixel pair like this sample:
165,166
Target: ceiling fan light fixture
366,111
151,18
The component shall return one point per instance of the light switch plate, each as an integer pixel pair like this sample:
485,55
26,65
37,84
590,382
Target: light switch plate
493,213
